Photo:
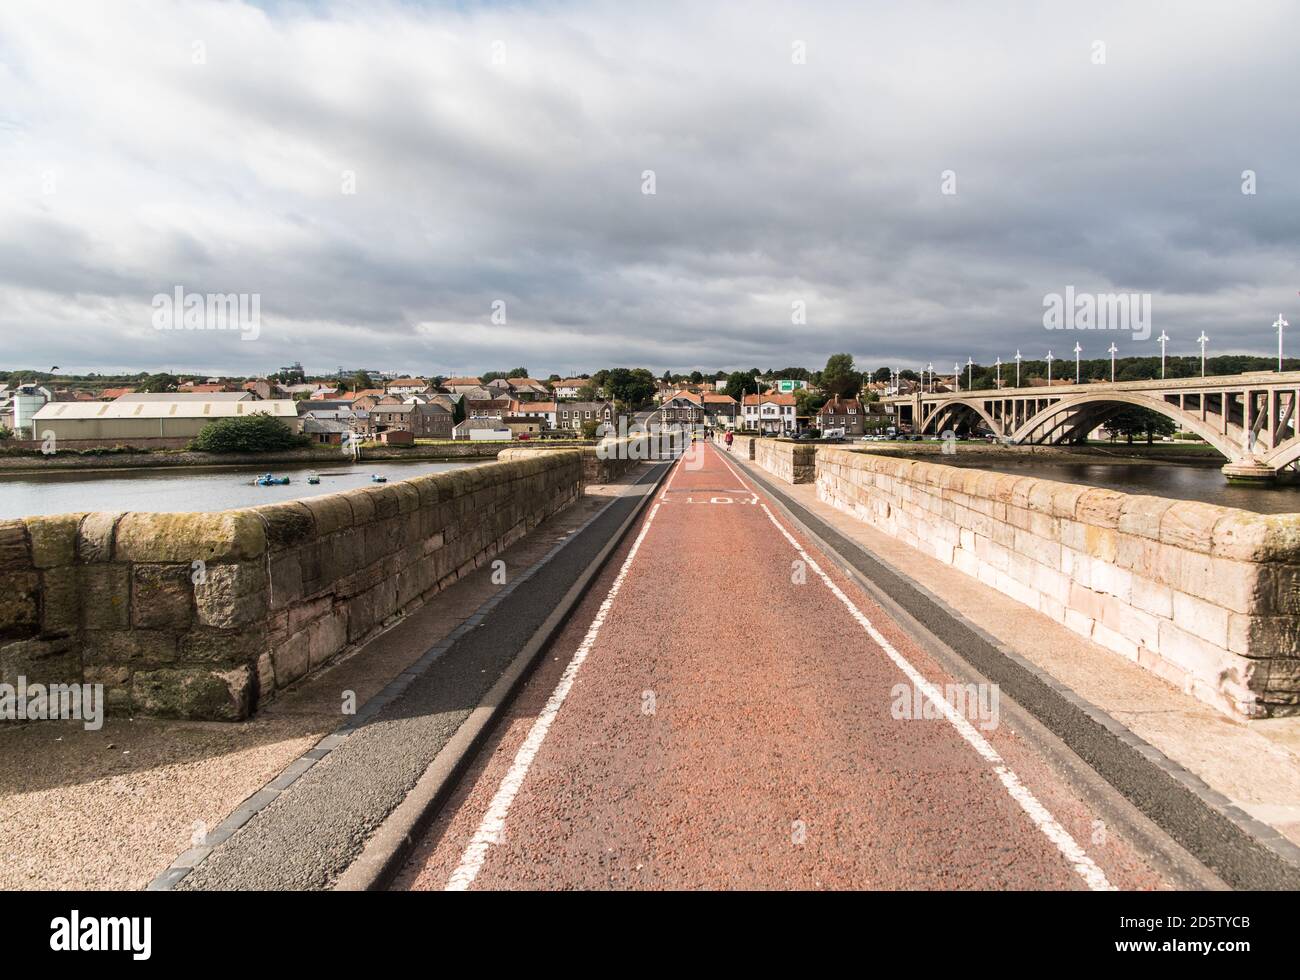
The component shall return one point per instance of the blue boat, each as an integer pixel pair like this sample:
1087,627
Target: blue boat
272,481
376,478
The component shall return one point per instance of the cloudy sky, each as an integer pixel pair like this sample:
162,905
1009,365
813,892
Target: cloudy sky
384,176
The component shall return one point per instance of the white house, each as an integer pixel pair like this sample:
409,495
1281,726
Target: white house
772,414
570,387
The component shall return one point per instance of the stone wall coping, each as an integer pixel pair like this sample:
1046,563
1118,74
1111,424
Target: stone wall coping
1225,532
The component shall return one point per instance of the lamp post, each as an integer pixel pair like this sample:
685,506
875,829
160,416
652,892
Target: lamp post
1050,359
1164,339
1112,351
1018,360
1077,351
1281,324
930,367
956,376
1202,340
970,374
998,364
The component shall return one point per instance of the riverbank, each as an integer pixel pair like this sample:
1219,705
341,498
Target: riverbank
432,451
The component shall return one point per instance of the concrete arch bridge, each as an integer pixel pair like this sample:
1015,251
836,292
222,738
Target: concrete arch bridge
1250,418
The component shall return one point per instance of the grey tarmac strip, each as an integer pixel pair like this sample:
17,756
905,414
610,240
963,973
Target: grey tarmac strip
305,828
1242,851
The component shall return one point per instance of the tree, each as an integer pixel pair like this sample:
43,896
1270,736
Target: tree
157,383
739,384
696,377
840,377
634,387
590,428
361,381
806,403
1138,421
256,433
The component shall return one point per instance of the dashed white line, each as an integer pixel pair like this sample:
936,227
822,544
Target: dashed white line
1042,818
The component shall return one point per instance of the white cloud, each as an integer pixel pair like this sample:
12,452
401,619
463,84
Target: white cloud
521,180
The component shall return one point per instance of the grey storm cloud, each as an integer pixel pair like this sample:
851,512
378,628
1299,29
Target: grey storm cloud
497,153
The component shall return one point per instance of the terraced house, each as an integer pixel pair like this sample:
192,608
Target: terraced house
572,415
842,413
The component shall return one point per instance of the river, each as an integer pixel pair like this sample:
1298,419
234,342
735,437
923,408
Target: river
1182,481
206,488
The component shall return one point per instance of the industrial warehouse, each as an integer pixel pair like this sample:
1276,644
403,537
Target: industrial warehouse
159,421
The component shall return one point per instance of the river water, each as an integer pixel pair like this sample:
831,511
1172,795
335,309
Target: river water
1182,481
206,488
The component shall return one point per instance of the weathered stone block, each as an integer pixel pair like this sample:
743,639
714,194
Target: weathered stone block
52,661
1142,515
107,648
95,537
194,692
54,539
223,536
288,525
20,604
291,660
163,597
60,601
1189,524
15,549
222,647
106,596
232,595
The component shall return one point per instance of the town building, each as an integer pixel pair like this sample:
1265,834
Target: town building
572,415
769,414
842,413
163,421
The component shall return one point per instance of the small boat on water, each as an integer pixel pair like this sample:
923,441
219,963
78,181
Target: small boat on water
313,478
267,480
376,478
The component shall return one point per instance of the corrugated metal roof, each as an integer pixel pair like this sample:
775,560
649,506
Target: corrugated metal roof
281,408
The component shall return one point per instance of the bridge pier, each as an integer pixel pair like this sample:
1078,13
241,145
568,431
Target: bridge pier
1249,473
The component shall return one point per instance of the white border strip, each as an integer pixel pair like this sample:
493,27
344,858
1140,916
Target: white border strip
494,820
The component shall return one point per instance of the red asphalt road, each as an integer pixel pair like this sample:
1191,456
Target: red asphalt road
731,727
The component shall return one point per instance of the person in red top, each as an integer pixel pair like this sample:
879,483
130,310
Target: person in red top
729,438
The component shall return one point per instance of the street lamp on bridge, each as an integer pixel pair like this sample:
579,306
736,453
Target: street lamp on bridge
1112,352
1202,340
1018,360
1164,339
970,374
1050,359
956,376
1077,351
1281,324
998,365
929,367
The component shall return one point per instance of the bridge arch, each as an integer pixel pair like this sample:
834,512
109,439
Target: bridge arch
947,407
1102,405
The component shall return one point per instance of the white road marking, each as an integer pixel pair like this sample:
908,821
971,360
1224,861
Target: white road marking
1086,868
494,820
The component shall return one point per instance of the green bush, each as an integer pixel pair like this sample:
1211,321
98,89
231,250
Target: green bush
256,433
